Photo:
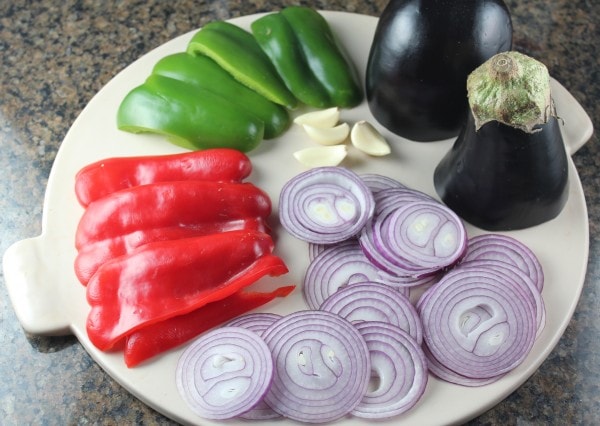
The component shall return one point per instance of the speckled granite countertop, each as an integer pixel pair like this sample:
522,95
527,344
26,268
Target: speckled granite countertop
55,55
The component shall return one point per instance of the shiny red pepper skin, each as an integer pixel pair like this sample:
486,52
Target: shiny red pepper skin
91,256
165,279
149,341
109,175
167,204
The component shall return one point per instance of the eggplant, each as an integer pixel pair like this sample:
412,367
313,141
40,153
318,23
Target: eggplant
508,168
420,57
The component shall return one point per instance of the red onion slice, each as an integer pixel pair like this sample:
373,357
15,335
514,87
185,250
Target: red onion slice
342,264
397,196
415,239
400,368
377,182
478,324
315,249
257,322
509,271
325,205
506,249
224,373
374,302
322,366
447,375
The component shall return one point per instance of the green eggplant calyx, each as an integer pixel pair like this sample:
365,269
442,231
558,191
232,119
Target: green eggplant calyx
513,89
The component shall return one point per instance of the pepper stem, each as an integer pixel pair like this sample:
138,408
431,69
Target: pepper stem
513,89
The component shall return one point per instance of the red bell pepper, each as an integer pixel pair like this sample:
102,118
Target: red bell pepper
154,339
106,176
91,256
167,204
165,279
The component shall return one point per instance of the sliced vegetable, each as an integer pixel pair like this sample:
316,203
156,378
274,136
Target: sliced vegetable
325,205
278,40
375,302
368,139
321,156
237,51
321,118
225,373
478,324
148,342
322,366
508,168
506,249
504,270
188,116
168,204
343,264
446,374
109,175
203,72
328,135
416,238
400,369
377,182
93,255
166,279
257,322
421,56
325,56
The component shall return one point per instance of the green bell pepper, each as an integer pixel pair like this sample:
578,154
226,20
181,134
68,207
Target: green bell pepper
188,116
203,72
237,52
325,56
278,40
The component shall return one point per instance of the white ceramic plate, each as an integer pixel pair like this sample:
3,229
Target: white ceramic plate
49,300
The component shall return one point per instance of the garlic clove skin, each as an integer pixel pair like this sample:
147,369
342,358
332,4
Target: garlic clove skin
322,118
321,156
368,139
328,136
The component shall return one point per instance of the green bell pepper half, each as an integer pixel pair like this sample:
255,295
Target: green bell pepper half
236,50
324,56
203,72
278,40
189,116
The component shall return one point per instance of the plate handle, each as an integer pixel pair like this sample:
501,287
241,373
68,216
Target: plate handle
578,127
38,305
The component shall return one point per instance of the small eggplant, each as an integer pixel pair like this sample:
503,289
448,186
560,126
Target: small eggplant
508,168
420,57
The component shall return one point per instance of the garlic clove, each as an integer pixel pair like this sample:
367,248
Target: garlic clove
321,156
328,136
367,138
321,118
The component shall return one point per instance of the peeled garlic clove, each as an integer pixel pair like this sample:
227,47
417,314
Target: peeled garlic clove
368,139
329,135
321,156
322,118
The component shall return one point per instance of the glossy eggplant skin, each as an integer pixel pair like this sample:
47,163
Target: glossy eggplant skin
420,57
500,178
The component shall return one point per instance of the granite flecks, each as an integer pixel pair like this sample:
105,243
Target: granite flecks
55,55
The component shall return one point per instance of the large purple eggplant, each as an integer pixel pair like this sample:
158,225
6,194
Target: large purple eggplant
508,167
421,55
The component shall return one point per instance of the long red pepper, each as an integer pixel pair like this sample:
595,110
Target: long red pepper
91,256
106,176
169,278
165,204
149,341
